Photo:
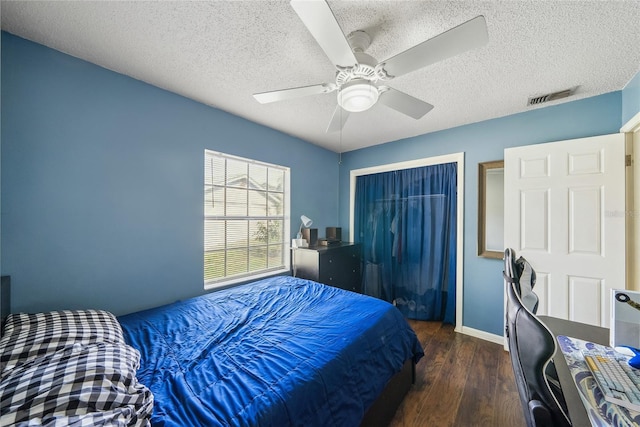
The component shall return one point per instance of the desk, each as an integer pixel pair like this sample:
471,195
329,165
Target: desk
594,334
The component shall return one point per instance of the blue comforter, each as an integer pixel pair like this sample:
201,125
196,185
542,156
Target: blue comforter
278,352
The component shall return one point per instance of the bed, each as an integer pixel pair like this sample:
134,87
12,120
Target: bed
277,352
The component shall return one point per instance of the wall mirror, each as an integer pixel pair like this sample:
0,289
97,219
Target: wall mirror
491,209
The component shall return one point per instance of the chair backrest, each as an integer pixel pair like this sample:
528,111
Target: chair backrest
520,272
531,347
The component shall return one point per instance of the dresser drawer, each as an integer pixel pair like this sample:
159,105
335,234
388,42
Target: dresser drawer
337,266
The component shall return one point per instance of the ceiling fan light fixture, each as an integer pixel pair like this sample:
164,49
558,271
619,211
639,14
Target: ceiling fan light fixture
358,95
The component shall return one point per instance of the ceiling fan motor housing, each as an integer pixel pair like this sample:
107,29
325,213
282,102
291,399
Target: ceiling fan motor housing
364,69
357,89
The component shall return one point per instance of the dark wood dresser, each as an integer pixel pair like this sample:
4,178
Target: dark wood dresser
337,265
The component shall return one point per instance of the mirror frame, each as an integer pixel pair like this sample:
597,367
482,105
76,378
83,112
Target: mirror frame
482,202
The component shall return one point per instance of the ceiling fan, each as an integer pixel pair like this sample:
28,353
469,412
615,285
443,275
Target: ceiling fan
359,77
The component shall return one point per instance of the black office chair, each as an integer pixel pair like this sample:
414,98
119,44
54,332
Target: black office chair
531,347
520,272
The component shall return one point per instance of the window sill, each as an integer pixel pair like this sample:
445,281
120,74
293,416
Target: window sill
244,279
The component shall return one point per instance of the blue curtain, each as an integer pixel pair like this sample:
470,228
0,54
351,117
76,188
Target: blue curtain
406,223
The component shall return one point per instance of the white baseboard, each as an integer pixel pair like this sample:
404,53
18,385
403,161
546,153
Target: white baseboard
498,339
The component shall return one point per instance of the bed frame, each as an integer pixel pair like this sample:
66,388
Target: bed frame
384,408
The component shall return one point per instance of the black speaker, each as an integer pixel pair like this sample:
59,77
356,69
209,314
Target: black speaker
310,235
334,233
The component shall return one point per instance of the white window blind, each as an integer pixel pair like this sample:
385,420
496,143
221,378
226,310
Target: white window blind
246,218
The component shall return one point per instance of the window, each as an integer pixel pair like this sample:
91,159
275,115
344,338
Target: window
246,219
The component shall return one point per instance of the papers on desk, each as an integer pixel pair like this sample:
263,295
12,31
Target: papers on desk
600,412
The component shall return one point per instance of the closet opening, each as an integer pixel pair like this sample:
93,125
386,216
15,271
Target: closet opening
408,218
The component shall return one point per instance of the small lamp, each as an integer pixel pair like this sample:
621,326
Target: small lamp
299,242
306,223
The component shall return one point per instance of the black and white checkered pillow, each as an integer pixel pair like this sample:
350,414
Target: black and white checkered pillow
31,335
82,385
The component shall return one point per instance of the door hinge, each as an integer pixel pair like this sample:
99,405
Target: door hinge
627,159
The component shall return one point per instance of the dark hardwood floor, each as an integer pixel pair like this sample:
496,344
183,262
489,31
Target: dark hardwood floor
461,381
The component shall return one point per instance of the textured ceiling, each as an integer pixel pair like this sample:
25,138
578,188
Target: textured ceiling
221,52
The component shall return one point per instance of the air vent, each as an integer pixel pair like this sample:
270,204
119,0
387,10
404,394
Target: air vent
535,100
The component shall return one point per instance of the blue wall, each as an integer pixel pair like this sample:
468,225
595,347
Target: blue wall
485,141
631,99
102,183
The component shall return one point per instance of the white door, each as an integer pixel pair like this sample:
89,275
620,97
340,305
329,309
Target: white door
565,213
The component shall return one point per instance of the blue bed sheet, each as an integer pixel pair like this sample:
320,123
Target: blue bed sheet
278,352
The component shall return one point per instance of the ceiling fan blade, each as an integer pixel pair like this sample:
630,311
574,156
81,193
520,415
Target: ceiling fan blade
338,119
462,38
321,23
404,103
296,92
